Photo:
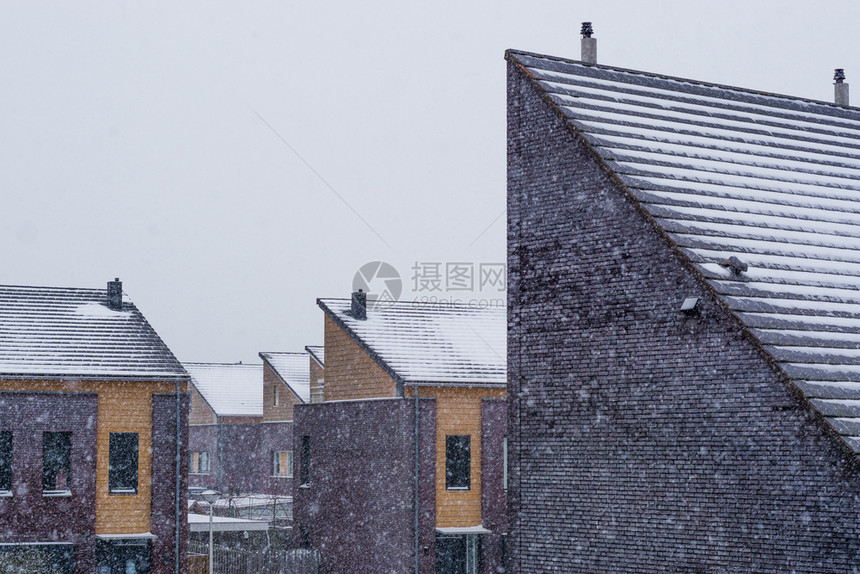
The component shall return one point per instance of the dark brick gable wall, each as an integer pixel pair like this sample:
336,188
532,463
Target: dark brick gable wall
27,516
358,508
640,440
164,483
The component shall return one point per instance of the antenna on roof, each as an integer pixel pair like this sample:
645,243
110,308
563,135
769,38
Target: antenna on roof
589,44
840,88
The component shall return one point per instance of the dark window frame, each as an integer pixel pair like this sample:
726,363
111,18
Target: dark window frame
200,468
6,438
305,463
124,460
56,457
458,462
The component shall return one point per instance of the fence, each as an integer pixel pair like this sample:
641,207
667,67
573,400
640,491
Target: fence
237,561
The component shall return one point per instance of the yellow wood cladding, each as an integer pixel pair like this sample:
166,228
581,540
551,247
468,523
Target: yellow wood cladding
123,406
458,412
201,414
350,373
317,381
286,399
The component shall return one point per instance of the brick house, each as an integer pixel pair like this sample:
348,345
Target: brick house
399,456
93,424
684,324
241,431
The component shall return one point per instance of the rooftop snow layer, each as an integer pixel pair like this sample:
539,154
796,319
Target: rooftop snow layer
317,352
430,343
65,332
726,172
231,389
294,369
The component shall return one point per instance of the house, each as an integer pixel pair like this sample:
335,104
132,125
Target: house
93,424
241,432
399,457
684,328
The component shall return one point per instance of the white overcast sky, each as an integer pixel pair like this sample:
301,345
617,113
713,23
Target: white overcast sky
133,144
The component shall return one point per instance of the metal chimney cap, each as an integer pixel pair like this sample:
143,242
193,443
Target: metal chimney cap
587,30
839,75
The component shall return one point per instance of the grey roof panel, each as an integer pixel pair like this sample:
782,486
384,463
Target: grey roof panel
66,332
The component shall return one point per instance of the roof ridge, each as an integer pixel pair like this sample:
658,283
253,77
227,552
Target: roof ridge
512,53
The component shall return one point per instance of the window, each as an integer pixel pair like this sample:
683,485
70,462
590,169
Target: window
458,462
199,462
505,463
275,395
282,463
5,461
122,471
56,462
305,469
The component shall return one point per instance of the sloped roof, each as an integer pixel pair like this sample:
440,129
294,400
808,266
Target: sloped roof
231,389
317,352
294,370
773,181
66,332
430,343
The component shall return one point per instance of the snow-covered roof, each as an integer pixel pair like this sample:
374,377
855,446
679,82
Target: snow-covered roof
772,181
230,389
317,352
201,523
294,369
430,343
67,332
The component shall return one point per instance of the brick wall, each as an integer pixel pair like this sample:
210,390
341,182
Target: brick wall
27,516
204,438
358,508
640,440
494,419
164,483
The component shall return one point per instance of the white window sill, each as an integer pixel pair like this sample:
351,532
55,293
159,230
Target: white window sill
5,494
458,489
123,491
199,473
304,486
57,493
282,476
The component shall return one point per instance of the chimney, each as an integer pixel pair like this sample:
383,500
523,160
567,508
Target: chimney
840,88
114,294
589,44
359,305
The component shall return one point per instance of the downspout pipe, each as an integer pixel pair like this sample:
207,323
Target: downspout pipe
416,500
178,482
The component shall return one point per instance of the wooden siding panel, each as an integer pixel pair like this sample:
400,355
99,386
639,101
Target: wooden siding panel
201,414
317,381
350,373
286,398
123,406
458,412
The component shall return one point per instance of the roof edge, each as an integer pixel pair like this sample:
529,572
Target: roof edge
511,55
266,362
364,346
100,378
